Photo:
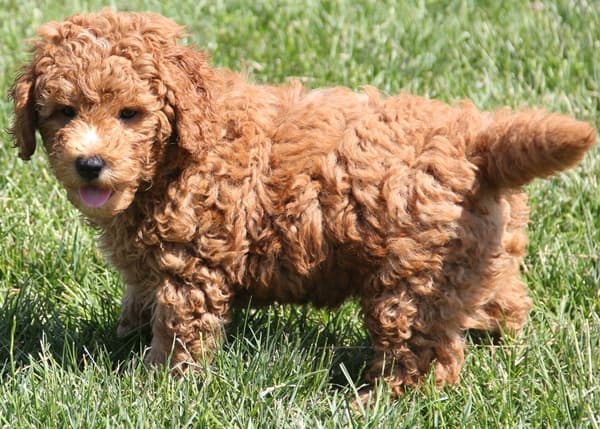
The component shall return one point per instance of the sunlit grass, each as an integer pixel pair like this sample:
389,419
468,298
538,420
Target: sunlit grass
60,363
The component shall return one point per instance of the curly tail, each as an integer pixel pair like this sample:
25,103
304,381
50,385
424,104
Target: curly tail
517,147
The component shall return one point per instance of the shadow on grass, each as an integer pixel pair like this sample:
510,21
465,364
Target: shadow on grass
337,334
35,319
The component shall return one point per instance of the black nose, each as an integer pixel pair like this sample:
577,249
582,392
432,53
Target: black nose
89,168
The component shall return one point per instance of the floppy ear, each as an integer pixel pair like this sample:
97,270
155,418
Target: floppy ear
25,120
187,76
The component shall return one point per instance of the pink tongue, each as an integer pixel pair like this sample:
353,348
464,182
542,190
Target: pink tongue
94,197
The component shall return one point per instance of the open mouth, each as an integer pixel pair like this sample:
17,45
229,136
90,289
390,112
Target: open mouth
93,196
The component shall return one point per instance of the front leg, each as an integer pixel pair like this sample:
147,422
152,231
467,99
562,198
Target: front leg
187,321
135,310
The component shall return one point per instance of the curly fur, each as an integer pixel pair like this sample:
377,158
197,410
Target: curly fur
224,192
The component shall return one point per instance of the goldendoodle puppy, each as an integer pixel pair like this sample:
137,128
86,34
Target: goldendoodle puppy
210,192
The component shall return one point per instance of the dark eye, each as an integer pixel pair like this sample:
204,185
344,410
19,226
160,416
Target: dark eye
68,112
127,114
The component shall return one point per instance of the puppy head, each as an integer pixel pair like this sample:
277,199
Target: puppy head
109,94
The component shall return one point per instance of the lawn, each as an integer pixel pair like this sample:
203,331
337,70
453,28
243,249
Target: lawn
60,362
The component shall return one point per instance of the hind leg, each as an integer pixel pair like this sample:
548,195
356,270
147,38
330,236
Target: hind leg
503,303
410,333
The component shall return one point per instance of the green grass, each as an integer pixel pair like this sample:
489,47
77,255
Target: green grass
60,363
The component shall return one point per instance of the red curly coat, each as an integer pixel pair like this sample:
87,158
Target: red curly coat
210,191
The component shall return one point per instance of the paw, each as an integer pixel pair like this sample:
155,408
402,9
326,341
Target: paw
155,355
178,361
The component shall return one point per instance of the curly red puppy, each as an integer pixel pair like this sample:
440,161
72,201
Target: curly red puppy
209,191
